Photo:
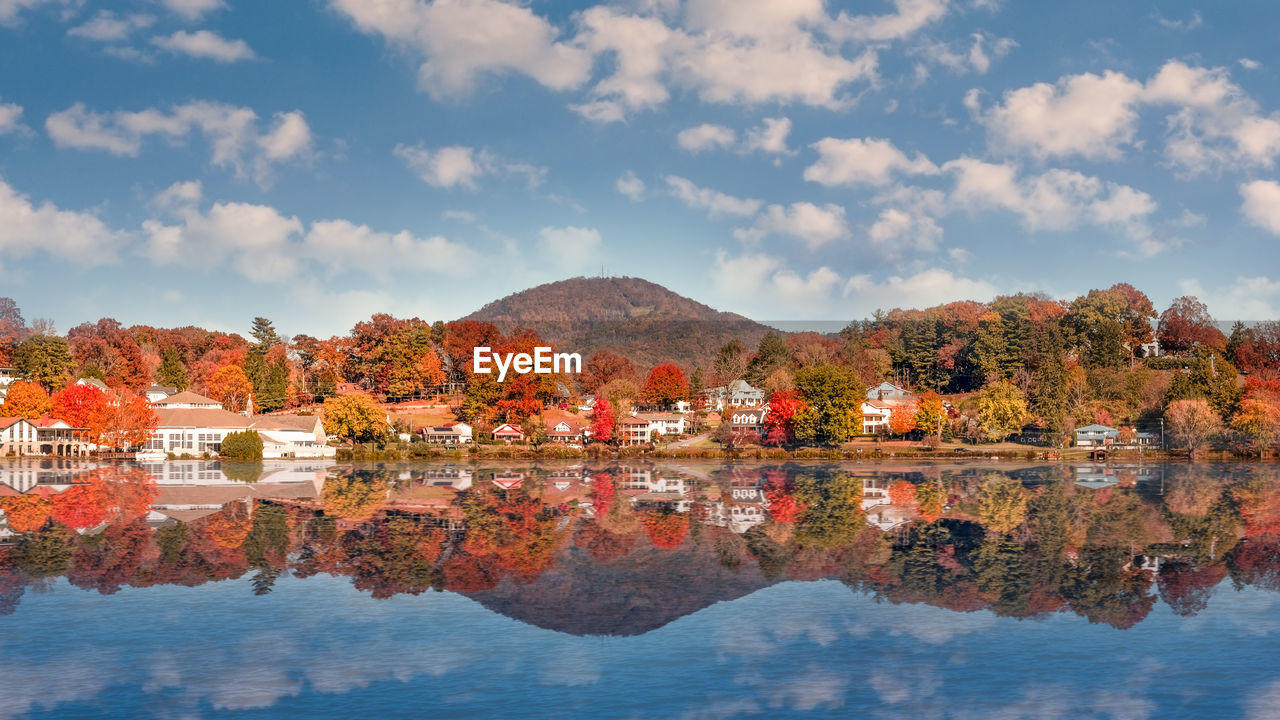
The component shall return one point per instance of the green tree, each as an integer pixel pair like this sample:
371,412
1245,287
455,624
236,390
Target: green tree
832,505
264,334
834,396
244,445
1002,503
1002,410
1049,390
356,418
989,346
44,359
770,355
172,372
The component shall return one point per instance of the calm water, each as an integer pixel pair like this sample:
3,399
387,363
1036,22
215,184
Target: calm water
192,590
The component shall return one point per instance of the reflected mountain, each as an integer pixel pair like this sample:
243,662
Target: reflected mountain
626,548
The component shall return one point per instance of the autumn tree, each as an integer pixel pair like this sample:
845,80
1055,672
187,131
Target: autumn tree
1002,410
82,406
771,355
780,422
666,528
666,385
13,328
26,513
126,421
44,359
902,419
902,492
1258,419
833,397
730,363
930,498
1002,503
229,386
603,367
1192,423
1185,324
602,420
25,400
930,414
107,348
356,418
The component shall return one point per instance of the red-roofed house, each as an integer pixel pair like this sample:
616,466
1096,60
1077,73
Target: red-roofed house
509,433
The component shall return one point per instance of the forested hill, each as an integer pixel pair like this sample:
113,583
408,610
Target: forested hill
635,318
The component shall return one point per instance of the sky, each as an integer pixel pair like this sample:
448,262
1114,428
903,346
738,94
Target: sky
177,162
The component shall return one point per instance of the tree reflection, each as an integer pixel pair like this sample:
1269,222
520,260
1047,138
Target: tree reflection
1103,545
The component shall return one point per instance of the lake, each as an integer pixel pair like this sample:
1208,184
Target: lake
192,589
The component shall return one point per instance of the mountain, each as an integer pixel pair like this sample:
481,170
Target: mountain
633,317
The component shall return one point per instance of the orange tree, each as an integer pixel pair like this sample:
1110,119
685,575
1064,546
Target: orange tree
666,528
665,385
26,400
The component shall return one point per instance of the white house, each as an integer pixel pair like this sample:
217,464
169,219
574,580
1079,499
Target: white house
875,415
17,436
187,400
455,434
735,395
563,432
156,393
94,382
888,391
292,436
193,431
664,423
1095,435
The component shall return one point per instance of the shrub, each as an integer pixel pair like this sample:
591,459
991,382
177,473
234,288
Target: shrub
245,445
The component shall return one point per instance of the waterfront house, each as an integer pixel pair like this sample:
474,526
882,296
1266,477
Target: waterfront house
634,431
508,433
292,436
193,431
887,391
455,434
563,432
748,420
187,400
875,415
17,436
664,423
1095,435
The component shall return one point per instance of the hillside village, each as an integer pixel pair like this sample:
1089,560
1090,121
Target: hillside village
1101,372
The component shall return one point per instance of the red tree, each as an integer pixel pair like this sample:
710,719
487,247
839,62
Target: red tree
780,421
902,492
779,491
666,384
127,421
602,420
1186,324
82,406
666,529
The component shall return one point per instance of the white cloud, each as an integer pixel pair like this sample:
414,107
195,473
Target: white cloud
706,137
760,283
179,195
27,228
1249,64
233,132
1244,298
631,186
9,9
571,248
910,17
205,44
1054,200
897,230
106,26
258,241
460,166
460,40
640,47
1088,115
812,224
769,137
1181,25
9,118
447,167
714,202
192,9
339,245
981,52
1262,204
863,162
924,289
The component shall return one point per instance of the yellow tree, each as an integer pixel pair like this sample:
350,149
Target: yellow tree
355,417
231,387
930,414
1002,503
1002,409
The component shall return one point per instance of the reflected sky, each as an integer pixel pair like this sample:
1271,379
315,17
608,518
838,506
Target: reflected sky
317,647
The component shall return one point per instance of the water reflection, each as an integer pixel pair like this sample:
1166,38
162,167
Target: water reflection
623,549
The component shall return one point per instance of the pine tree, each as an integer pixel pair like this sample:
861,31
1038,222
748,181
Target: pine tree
172,372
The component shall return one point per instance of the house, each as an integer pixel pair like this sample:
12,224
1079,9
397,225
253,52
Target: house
734,395
664,423
455,434
94,382
1095,435
508,480
192,431
17,436
508,433
563,432
588,406
748,419
156,393
634,431
187,400
890,392
292,436
875,415
7,376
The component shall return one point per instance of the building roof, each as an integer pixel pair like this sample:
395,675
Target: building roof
666,417
878,404
166,389
1095,428
186,397
7,421
304,423
200,418
634,421
95,382
508,429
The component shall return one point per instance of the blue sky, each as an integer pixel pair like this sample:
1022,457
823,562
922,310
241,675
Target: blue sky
177,162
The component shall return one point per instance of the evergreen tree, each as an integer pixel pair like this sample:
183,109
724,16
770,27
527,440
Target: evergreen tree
264,334
172,373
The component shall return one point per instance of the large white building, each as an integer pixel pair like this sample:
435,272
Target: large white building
192,424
